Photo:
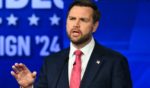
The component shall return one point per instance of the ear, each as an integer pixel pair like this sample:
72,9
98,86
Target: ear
95,26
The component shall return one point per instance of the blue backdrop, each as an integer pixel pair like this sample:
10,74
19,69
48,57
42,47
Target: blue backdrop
33,29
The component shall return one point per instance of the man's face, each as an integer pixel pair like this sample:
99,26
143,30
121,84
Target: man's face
80,24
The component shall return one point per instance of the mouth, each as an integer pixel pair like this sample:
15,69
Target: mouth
76,33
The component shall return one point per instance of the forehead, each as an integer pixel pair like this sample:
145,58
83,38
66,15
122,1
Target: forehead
81,10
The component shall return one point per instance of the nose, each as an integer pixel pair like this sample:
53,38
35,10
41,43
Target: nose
77,24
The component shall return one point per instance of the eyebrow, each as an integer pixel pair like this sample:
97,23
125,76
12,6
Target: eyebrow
75,17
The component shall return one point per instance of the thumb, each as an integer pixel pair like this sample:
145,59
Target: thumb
34,74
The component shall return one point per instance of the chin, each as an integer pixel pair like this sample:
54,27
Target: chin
77,42
74,41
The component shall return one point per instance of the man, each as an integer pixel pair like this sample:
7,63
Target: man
86,64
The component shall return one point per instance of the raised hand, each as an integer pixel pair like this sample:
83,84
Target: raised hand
23,75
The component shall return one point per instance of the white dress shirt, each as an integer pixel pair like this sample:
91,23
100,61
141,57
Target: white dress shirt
87,51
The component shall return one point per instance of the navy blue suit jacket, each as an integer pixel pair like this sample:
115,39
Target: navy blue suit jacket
111,72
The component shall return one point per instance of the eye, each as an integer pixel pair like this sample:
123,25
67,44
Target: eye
72,18
84,19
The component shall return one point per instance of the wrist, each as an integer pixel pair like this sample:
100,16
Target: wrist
27,87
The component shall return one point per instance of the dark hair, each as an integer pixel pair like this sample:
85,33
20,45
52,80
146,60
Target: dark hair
87,3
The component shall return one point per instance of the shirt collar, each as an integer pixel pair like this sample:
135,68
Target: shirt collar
85,49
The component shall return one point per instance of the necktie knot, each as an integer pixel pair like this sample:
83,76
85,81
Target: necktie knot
78,53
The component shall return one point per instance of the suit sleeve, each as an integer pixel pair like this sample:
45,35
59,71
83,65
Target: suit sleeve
42,79
121,74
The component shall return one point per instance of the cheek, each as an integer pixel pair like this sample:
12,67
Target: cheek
87,30
68,29
68,24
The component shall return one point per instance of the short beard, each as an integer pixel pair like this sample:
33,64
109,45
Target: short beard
81,41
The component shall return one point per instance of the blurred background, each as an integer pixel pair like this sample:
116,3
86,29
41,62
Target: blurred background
33,29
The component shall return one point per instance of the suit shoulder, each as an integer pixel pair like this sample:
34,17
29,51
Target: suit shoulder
57,55
108,52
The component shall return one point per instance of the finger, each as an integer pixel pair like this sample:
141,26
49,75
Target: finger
16,70
13,74
23,67
34,74
18,66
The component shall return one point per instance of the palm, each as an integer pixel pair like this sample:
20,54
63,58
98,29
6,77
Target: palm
23,75
25,78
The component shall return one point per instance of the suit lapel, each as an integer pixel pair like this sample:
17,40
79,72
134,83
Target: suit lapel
63,79
62,67
92,67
